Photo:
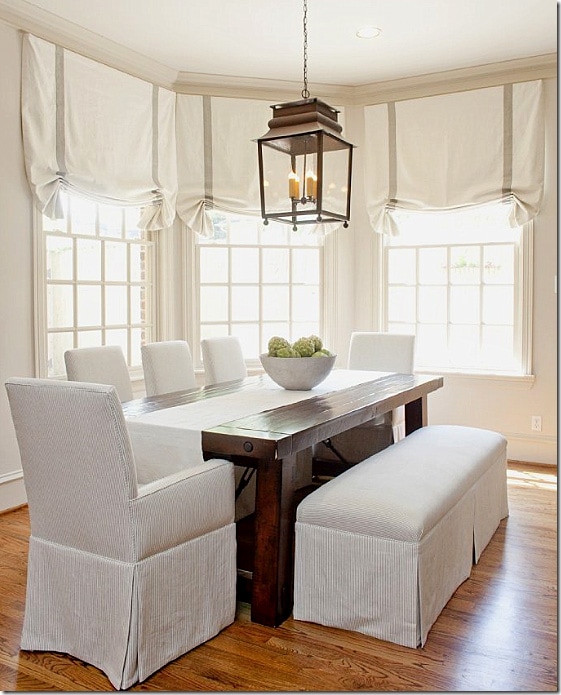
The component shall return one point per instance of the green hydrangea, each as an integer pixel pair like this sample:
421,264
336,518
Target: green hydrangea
317,343
286,352
305,347
275,344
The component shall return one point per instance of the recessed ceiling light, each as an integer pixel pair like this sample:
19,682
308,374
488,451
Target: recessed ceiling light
368,32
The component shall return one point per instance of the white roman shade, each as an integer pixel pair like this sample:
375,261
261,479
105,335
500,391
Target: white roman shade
217,157
95,131
456,150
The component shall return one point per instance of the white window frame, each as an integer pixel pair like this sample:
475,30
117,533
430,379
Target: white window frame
40,298
523,300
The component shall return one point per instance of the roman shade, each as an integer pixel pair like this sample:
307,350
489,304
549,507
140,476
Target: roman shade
217,158
456,150
94,131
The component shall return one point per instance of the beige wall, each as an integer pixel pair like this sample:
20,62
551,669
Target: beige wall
351,303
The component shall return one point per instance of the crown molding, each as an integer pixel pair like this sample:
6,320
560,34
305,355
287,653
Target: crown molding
30,18
463,79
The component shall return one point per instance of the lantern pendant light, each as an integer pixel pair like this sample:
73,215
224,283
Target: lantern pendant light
305,165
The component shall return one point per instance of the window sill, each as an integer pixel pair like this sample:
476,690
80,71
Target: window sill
518,379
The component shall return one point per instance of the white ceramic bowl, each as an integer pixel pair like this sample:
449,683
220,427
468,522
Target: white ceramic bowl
297,373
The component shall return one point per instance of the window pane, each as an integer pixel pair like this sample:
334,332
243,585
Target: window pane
59,258
433,266
463,346
245,265
115,262
276,303
305,303
498,346
116,305
431,345
498,305
305,267
89,338
401,304
132,218
275,265
58,344
60,306
89,305
433,304
89,259
245,303
213,264
499,264
402,266
248,333
464,265
214,303
464,305
118,337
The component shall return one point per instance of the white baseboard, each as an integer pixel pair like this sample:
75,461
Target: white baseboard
532,448
12,491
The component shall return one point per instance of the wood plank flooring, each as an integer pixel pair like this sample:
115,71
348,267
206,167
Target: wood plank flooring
497,633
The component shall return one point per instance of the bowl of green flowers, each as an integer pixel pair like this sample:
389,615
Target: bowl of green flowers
297,366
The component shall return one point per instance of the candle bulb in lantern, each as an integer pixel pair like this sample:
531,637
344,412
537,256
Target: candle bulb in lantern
293,185
311,184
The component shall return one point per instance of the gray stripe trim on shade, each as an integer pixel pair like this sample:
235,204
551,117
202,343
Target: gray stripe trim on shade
507,138
155,137
392,155
207,136
59,89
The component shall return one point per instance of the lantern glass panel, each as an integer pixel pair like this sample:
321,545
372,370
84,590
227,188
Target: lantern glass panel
336,160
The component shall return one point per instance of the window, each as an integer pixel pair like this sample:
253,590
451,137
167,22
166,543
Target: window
460,282
98,282
257,281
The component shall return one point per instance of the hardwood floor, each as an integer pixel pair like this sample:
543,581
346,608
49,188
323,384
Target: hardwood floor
497,633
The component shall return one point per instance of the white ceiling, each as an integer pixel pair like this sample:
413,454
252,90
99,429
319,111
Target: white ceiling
264,38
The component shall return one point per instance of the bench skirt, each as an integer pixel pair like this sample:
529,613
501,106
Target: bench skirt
381,548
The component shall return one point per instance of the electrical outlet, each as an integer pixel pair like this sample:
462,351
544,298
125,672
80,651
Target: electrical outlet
536,423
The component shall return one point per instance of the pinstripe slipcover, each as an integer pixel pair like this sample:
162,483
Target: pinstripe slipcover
126,577
381,548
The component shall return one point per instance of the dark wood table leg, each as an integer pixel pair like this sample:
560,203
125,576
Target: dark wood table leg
272,583
416,415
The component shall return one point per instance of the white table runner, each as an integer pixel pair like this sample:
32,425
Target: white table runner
168,440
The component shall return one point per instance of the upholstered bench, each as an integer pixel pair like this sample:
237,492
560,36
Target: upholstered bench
381,548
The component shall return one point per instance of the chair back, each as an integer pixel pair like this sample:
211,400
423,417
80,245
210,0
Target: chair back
100,365
223,359
168,367
382,352
77,462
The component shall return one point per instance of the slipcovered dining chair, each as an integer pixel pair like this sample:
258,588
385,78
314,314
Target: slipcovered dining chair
223,359
123,576
168,367
104,364
381,352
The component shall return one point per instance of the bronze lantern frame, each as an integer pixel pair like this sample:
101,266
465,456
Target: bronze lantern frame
301,129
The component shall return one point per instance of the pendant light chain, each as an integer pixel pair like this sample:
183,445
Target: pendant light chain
305,91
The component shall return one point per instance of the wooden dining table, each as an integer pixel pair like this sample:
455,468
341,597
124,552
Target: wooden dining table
271,439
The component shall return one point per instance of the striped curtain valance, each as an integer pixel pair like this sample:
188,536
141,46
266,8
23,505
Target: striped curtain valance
454,151
95,131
